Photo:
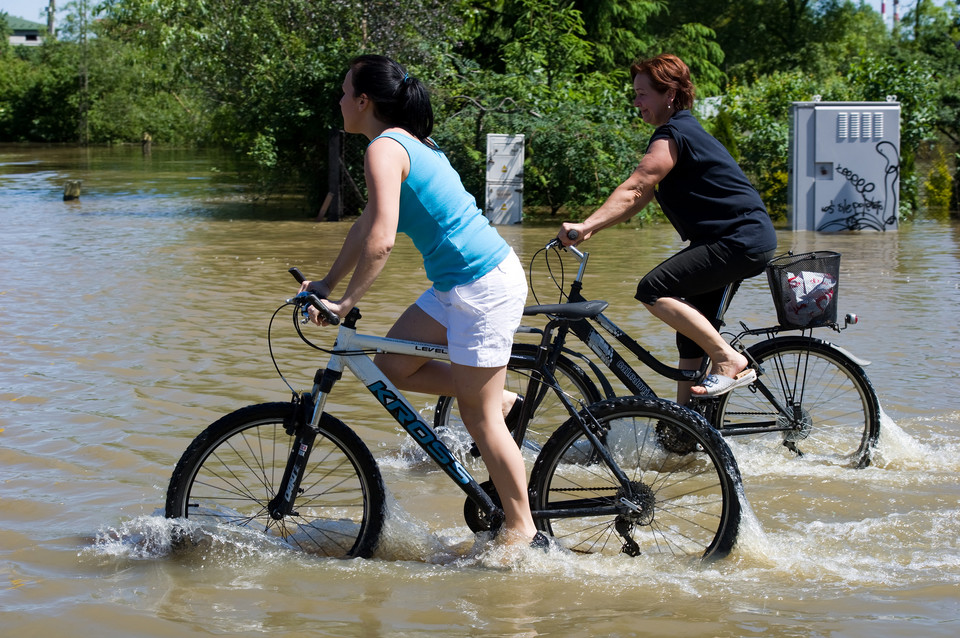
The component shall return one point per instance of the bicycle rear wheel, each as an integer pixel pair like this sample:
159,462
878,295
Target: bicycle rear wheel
675,505
548,412
231,471
831,410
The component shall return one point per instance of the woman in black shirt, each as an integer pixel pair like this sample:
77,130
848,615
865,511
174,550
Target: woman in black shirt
710,202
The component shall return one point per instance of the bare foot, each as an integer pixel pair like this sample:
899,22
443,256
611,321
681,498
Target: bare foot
510,537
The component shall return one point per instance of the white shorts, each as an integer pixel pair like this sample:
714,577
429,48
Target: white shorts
482,316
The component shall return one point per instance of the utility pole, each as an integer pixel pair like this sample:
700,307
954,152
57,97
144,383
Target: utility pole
84,72
51,10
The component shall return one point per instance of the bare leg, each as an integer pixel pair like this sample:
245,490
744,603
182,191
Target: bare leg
420,374
480,396
689,322
417,374
683,387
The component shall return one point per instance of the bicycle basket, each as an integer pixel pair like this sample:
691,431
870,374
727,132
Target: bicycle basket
805,288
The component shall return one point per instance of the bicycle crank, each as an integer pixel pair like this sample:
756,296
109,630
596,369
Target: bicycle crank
476,519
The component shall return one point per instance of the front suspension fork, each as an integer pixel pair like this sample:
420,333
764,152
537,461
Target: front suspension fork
281,505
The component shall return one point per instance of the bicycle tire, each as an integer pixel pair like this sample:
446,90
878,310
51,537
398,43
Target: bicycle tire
231,471
549,411
837,415
681,505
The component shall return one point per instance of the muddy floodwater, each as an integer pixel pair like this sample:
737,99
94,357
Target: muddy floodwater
135,316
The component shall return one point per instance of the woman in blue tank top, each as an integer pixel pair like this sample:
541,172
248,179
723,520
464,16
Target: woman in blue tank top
710,202
479,287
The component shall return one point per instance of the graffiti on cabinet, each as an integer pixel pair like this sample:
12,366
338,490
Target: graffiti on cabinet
861,206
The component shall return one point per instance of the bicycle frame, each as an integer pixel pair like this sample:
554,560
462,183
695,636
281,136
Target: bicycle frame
610,357
635,384
351,352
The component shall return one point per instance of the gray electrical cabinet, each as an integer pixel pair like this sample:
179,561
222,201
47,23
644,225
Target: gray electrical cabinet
844,166
504,203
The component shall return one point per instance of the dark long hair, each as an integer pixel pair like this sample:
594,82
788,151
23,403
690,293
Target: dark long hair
398,99
666,72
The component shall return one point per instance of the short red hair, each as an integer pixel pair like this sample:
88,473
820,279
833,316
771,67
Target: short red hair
667,72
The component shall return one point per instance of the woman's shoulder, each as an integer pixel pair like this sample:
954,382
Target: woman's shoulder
684,121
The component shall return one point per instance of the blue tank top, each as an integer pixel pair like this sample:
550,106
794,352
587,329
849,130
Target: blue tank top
457,242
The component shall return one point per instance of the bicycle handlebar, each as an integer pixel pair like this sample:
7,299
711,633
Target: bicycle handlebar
571,234
314,300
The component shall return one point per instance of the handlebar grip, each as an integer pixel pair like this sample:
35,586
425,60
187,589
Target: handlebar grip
325,312
572,234
297,275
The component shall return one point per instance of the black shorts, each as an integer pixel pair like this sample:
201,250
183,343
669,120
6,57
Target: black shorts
698,274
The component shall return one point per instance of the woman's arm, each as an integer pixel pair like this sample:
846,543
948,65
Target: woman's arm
372,236
631,196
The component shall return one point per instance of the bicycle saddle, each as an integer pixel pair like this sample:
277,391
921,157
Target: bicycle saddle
576,310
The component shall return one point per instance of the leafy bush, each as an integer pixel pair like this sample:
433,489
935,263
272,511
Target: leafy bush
938,186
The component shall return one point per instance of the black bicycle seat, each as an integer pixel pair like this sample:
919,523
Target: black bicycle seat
576,310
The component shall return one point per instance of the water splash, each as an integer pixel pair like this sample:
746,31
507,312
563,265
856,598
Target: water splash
155,537
899,450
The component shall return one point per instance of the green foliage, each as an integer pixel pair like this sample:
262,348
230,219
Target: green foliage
87,87
582,138
695,44
263,78
271,70
5,32
617,30
758,117
548,39
938,185
37,89
955,197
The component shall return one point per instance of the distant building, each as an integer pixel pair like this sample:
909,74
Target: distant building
26,33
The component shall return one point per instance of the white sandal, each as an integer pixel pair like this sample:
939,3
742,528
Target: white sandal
717,384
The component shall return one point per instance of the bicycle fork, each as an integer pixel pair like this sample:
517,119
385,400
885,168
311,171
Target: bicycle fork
281,505
303,423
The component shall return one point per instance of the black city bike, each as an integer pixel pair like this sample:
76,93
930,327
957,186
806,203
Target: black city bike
811,396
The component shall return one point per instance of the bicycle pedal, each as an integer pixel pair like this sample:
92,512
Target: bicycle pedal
474,451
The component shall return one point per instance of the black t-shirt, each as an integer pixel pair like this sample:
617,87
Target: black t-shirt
706,196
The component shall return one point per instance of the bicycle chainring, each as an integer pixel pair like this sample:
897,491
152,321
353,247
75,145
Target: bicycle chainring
673,439
476,519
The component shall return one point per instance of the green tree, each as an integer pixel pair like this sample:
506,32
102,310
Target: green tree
271,70
548,38
759,37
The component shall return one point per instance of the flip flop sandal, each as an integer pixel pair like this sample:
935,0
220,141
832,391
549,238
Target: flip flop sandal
717,384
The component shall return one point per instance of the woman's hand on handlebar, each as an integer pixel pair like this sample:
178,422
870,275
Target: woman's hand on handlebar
572,234
321,290
332,306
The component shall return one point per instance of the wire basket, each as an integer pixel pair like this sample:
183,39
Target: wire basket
805,288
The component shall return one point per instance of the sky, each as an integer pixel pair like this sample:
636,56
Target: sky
34,10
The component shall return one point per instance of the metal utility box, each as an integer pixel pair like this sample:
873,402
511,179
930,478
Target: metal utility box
504,203
844,166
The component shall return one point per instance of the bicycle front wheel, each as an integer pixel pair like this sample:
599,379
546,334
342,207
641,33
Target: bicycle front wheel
548,410
828,408
232,470
650,500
